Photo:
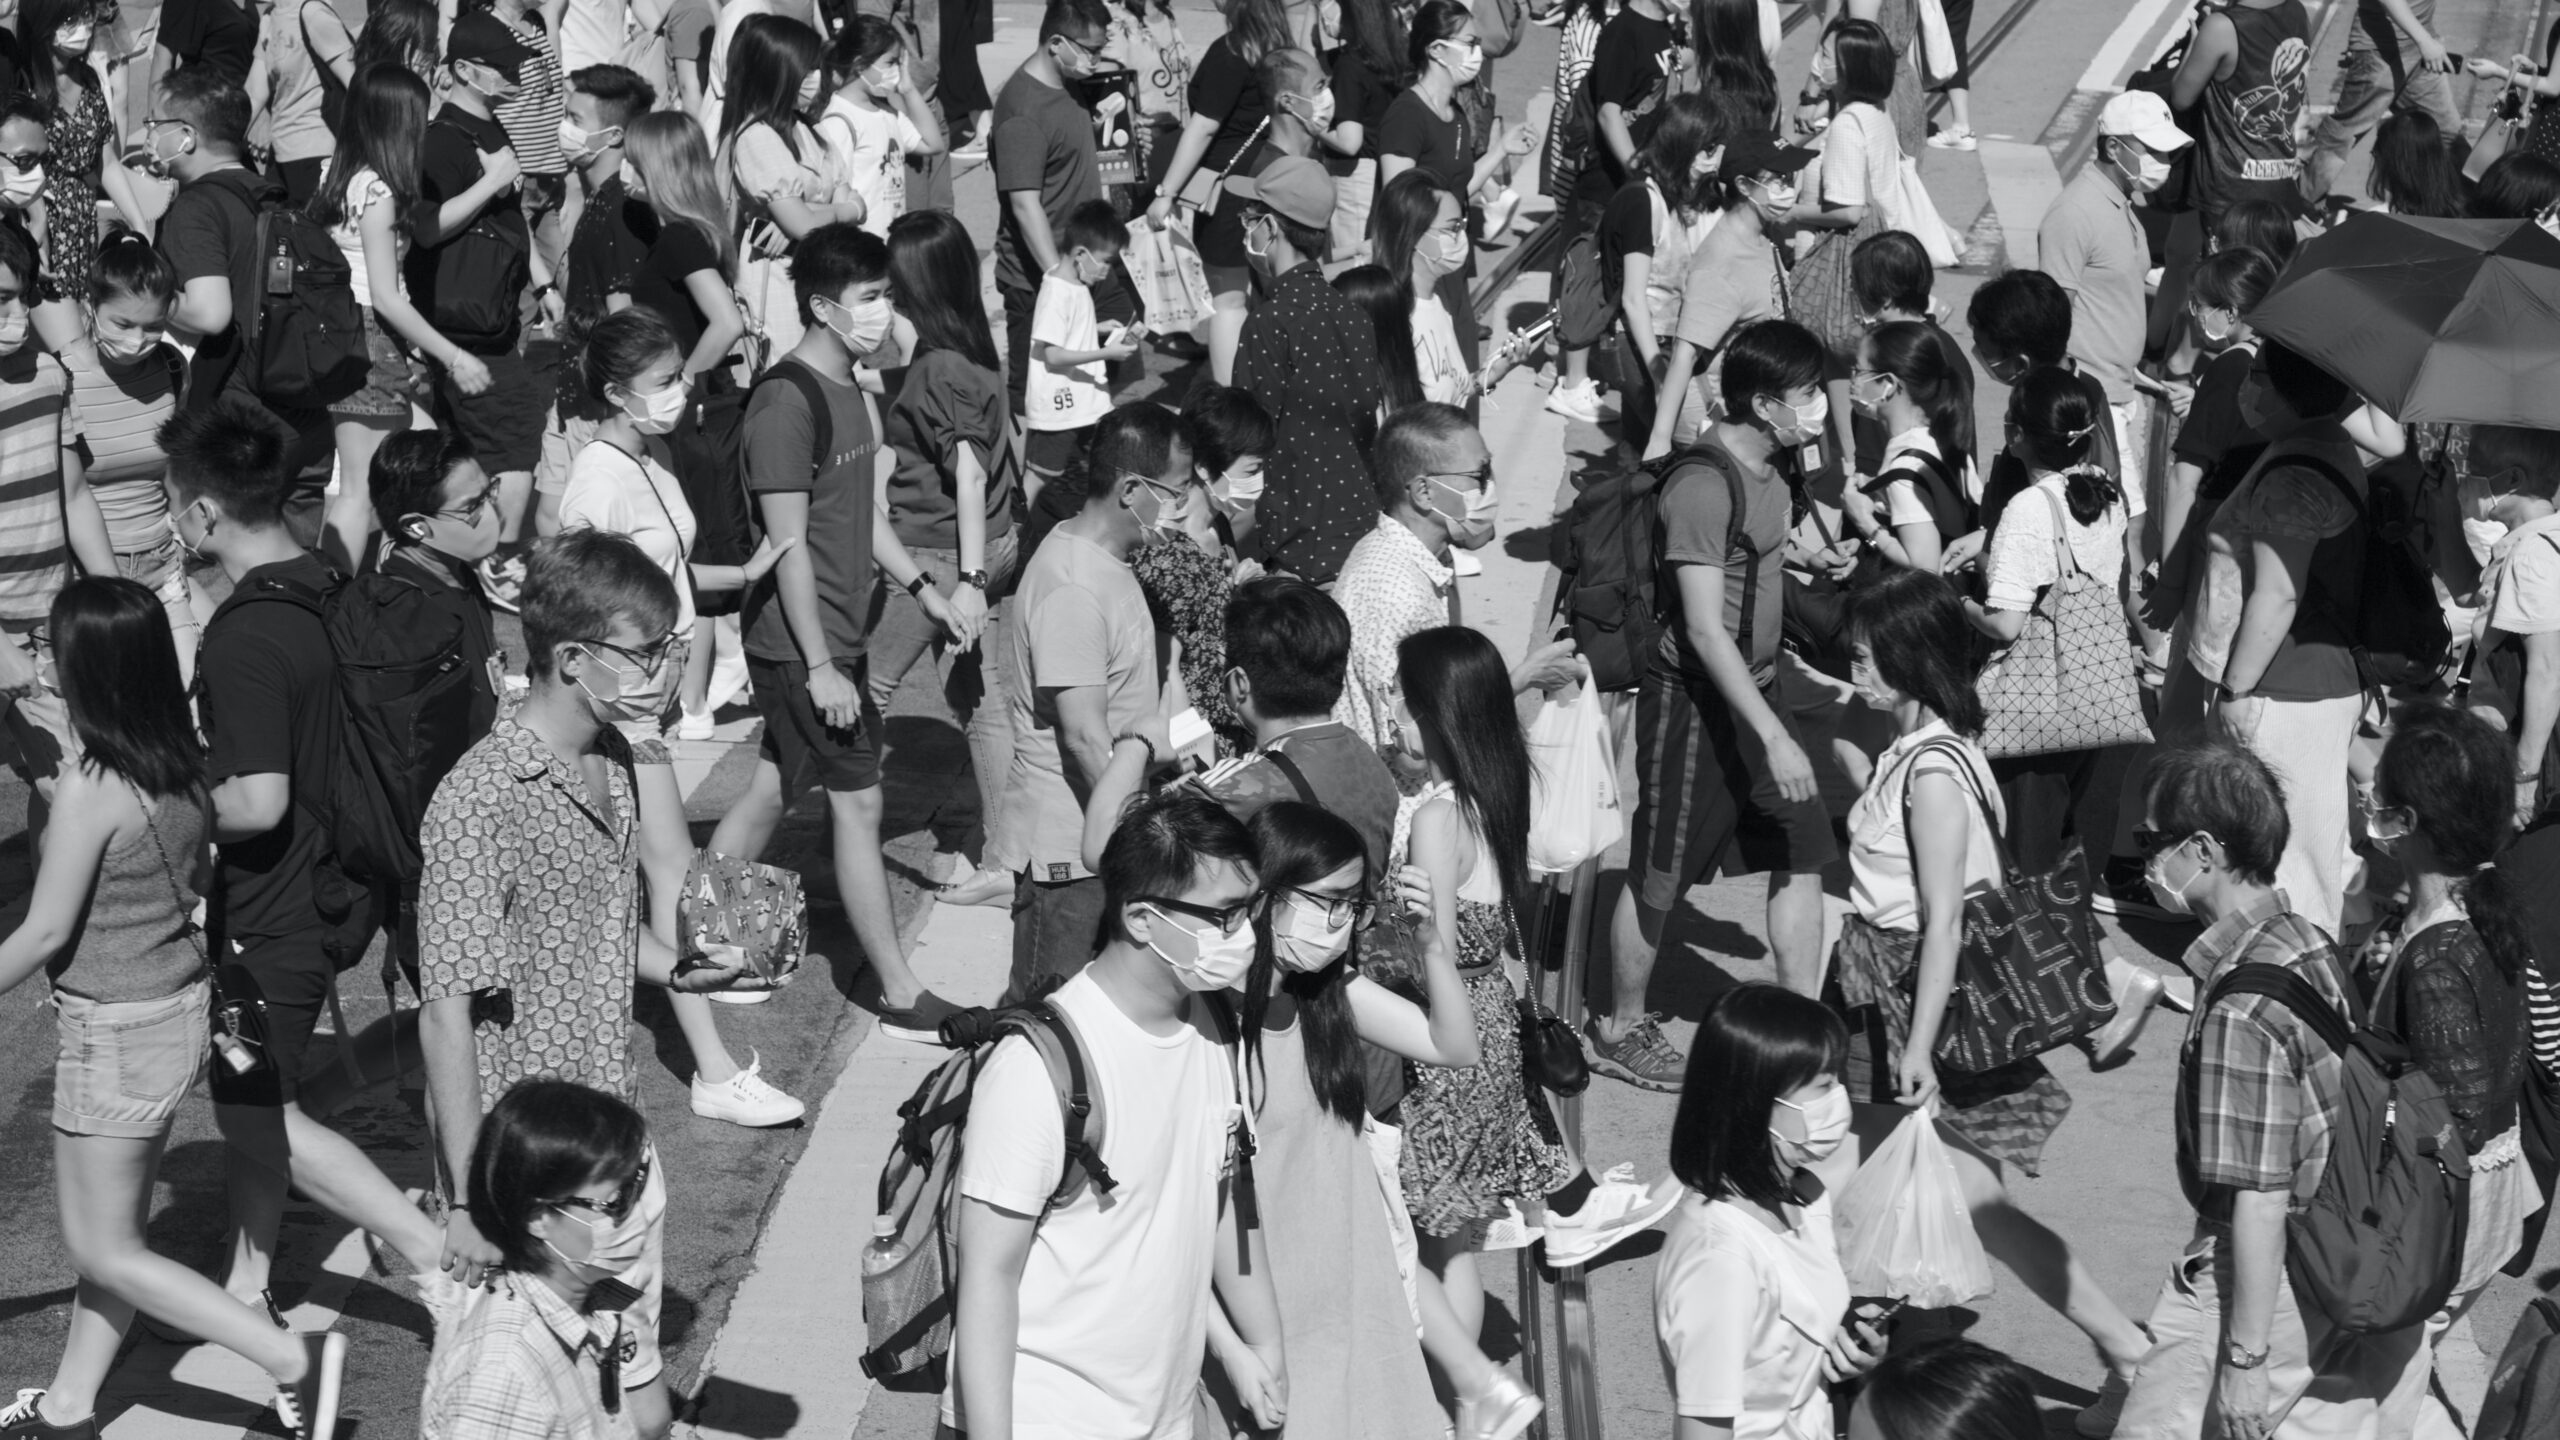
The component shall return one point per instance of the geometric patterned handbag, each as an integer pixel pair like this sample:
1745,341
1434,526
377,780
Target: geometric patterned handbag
2028,974
758,908
2069,681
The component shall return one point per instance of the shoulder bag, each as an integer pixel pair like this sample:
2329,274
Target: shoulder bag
2028,974
2069,681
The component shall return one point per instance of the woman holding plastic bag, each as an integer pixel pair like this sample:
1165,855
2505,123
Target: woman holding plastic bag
1931,794
1750,1303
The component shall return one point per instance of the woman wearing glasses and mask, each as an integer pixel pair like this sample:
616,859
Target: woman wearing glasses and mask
564,1183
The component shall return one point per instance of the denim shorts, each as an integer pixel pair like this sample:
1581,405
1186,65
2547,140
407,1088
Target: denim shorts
125,1066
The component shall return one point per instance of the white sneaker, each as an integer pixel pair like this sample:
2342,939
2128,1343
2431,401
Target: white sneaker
741,997
696,725
744,1099
1618,1208
1953,140
1498,212
1576,402
1511,1230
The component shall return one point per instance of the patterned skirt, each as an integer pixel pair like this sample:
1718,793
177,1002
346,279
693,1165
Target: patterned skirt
1471,1139
2009,1112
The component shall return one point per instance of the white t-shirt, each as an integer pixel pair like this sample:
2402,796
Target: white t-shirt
592,32
1115,1299
2021,560
872,145
1435,352
1880,881
613,492
1743,1314
2523,581
1861,159
1902,503
1073,396
364,191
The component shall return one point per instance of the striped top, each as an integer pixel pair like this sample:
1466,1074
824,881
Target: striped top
532,119
37,419
119,441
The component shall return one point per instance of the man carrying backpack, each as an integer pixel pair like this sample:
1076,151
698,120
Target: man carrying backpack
1098,1328
2259,1106
196,134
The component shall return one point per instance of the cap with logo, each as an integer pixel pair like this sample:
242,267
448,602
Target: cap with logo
1761,153
2145,117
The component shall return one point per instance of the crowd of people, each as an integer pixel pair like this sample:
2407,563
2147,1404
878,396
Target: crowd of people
324,347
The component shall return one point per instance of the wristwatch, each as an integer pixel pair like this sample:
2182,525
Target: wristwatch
916,586
2241,1357
975,577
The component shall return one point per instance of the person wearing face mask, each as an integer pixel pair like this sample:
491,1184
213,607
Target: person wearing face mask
2229,1336
1628,83
56,39
1847,201
605,249
1649,232
878,119
2506,491
298,90
1069,388
1043,156
1734,277
1147,42
1427,128
1116,1303
1421,237
124,395
1749,1302
2216,445
786,180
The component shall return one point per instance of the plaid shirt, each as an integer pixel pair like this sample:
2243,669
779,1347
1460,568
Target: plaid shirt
522,1365
2265,1085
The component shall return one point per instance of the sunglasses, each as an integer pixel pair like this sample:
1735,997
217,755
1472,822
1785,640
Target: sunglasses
617,1209
2152,842
29,161
1228,921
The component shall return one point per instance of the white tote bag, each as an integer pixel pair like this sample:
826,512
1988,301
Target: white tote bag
1573,810
1909,207
1937,41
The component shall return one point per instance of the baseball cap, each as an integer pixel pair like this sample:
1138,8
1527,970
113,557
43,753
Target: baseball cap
2146,118
1293,187
1761,152
484,37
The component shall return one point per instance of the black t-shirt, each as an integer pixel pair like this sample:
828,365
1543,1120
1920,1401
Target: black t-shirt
604,250
674,252
452,591
1361,96
1226,89
211,228
270,707
2217,436
1626,228
449,164
1631,69
1437,147
210,32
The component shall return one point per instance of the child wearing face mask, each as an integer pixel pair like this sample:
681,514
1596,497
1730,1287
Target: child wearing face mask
1069,387
784,179
124,390
878,119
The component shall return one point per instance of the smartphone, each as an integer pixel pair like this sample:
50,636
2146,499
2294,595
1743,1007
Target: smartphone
1872,1311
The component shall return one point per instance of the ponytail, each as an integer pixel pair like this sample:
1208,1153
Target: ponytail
2497,913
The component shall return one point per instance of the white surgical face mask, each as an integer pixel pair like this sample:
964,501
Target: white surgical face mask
1804,422
1472,526
13,332
1304,937
74,39
2205,330
1217,960
1465,59
658,410
2482,536
19,188
1318,113
122,348
865,327
1237,488
580,144
614,1247
888,79
2147,173
1776,198
624,704
2172,895
1826,1124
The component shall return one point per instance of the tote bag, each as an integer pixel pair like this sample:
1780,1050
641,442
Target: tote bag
2069,681
1172,281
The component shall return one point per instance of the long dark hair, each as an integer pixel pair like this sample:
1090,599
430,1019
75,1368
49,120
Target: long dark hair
1727,36
1913,625
1371,31
117,669
383,130
933,280
768,58
1756,1042
1298,844
1687,127
38,22
1255,28
2054,415
2412,173
1388,297
1953,1389
2455,773
1917,357
1408,206
398,32
1435,21
1459,690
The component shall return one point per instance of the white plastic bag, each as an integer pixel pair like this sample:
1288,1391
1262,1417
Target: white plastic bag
1937,41
1902,1224
1171,279
1573,810
1912,209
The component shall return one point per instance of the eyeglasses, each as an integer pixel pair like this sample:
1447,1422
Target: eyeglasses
1229,920
1482,475
30,160
2152,842
1337,908
154,122
475,507
617,1209
651,660
1170,496
1092,53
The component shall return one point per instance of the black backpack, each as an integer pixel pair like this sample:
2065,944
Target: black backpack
302,343
822,444
1609,550
2399,633
474,281
2523,1402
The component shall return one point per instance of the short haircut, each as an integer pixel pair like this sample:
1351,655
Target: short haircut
1913,625
19,261
1224,424
579,582
1286,72
208,98
34,109
831,260
2536,452
1891,271
544,1141
2306,389
2221,789
409,473
1293,643
2234,280
1163,844
1410,443
1134,438
2024,315
1756,1042
1094,226
1867,62
232,453
620,346
1769,357
128,264
1074,19
622,91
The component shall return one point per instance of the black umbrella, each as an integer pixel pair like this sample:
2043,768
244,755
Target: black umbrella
2446,321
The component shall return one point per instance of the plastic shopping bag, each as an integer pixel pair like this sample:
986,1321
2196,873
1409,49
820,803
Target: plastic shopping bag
1172,281
1574,813
1902,1224
1937,41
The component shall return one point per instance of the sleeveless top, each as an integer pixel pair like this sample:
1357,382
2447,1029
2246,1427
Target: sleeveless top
2248,120
140,941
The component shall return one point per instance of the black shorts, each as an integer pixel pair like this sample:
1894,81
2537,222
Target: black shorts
1051,451
291,975
1704,795
502,424
806,749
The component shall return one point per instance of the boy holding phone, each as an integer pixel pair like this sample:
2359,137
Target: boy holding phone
1069,388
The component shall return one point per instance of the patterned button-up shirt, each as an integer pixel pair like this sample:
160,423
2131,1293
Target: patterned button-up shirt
529,903
1311,356
523,1365
2266,1085
1391,587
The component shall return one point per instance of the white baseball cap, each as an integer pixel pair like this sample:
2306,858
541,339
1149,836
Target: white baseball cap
2144,116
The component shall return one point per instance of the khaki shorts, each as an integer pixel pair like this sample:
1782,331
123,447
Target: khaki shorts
125,1066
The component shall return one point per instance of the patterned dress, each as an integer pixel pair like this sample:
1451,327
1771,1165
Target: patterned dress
71,195
1187,588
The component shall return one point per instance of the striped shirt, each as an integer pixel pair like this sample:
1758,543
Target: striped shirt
2265,1085
532,119
37,420
119,443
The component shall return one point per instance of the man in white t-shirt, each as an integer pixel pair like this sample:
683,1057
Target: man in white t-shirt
1089,1319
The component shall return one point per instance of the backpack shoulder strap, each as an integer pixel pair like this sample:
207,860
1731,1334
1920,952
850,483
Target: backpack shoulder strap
1053,1035
1289,771
2280,984
822,424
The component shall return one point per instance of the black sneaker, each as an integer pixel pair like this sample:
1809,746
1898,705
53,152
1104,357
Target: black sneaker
1641,1057
309,1406
920,1022
2122,891
23,1421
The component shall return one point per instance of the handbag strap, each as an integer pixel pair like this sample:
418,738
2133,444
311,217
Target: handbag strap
169,872
1948,745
